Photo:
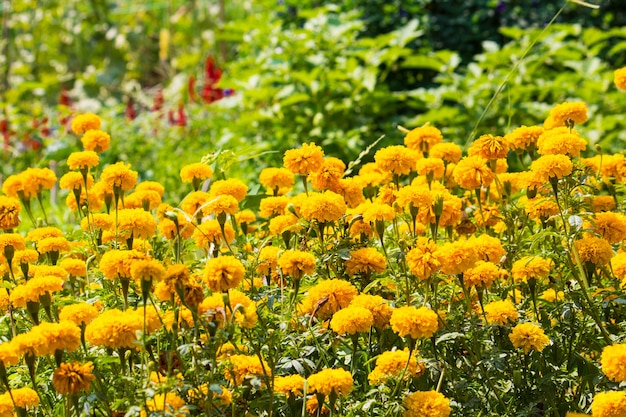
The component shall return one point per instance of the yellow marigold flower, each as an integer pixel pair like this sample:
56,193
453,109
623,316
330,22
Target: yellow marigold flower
528,336
392,364
530,267
221,204
618,265
268,257
82,123
119,175
232,187
449,152
114,329
79,314
9,212
328,297
313,407
360,229
501,313
116,263
295,263
561,141
482,273
523,137
541,208
610,226
25,398
91,201
431,167
168,228
99,221
609,404
169,402
414,197
64,335
223,273
150,270
456,257
8,354
38,179
244,308
365,260
488,248
575,111
72,378
323,207
423,138
137,223
351,320
49,270
613,361
195,201
552,166
278,180
286,222
83,160
328,175
603,203
289,385
241,366
619,78
551,295
351,189
12,240
34,289
371,174
5,301
422,260
613,166
210,232
74,267
143,199
31,343
96,141
378,212
594,249
378,306
329,381
471,172
305,160
272,206
490,147
399,160
426,404
489,215
196,173
414,322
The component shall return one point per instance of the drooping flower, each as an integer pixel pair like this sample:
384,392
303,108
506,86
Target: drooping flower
502,313
414,322
331,381
528,336
352,320
427,404
305,160
223,273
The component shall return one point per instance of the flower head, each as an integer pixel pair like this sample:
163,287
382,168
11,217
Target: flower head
594,250
96,140
305,160
223,273
81,123
414,322
377,305
296,263
277,179
323,207
490,147
422,260
501,313
426,404
398,160
528,336
523,137
351,320
609,404
119,175
329,381
551,166
289,385
328,297
613,361
531,267
423,138
71,378
9,212
83,160
561,113
619,77
391,364
561,141
472,172
365,260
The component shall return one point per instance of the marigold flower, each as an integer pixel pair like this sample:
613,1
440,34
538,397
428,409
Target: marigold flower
351,189
351,320
574,111
399,160
9,212
241,366
328,297
426,404
142,199
414,322
223,273
372,175
609,404
456,257
323,207
531,267
83,160
619,77
329,381
34,289
490,147
64,335
168,402
561,141
378,306
25,397
150,270
289,385
82,123
96,141
522,138
551,295
74,181
32,343
613,361
11,240
79,314
272,206
72,378
603,203
610,226
378,212
431,167
541,208
391,364
551,166
114,329
119,175
594,250
196,172
501,313
8,354
482,274
268,257
415,197
232,187
74,267
49,270
210,232
305,160
116,263
99,221
137,223
365,260
423,138
277,179
328,175
528,336
422,260
295,263
286,222
471,172
449,152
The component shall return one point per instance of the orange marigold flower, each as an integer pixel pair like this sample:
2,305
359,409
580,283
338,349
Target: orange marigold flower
399,160
483,273
149,270
79,314
610,226
501,313
423,138
351,189
352,320
194,202
114,329
72,378
524,137
242,366
323,207
528,336
427,404
223,273
221,204
531,267
96,140
305,160
371,174
9,212
456,257
25,398
609,404
64,335
280,224
603,203
574,111
272,206
209,232
195,173
541,208
277,179
594,250
471,172
331,381
365,260
328,175
116,263
82,123
551,166
619,77
613,361
137,223
53,244
377,305
74,181
119,175
449,152
422,260
289,385
490,147
232,187
328,297
83,160
431,167
378,212
74,267
414,322
8,354
415,197
561,141
392,364
295,263
618,265
268,257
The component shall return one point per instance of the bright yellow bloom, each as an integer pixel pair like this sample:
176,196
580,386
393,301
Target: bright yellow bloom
552,166
391,364
613,361
426,404
296,264
541,208
431,167
365,260
242,366
351,320
574,111
137,223
284,223
561,141
528,336
195,172
449,152
530,267
422,260
79,314
272,206
223,273
377,305
328,175
25,397
328,297
328,381
378,212
71,378
594,249
210,232
232,187
119,175
96,140
398,160
619,77
305,160
456,257
83,160
289,385
414,322
114,329
501,313
482,274
609,404
423,138
523,137
490,147
9,212
472,172
81,123
277,179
